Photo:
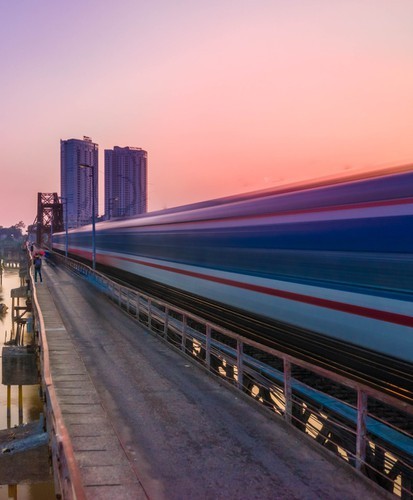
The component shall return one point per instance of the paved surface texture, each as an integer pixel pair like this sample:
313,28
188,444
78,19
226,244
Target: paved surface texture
146,423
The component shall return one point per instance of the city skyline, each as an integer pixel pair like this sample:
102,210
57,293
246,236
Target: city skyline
226,98
79,175
125,182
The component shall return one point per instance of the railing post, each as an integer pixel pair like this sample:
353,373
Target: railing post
208,347
149,313
137,306
240,364
361,429
183,339
287,391
166,323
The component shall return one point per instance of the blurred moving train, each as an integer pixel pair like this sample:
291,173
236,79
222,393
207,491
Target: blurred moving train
335,258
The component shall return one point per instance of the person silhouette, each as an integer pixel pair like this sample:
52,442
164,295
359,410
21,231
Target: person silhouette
37,262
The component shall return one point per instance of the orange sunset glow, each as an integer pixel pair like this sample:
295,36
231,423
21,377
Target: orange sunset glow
225,97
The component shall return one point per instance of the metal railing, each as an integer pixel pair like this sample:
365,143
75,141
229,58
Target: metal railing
352,420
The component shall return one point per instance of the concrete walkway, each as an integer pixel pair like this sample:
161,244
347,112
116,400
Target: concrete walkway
146,423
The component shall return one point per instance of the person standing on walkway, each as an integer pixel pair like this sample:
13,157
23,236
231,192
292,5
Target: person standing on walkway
37,262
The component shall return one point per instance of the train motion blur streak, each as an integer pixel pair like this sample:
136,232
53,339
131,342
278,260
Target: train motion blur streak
335,259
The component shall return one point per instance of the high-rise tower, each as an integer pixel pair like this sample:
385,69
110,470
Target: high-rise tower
76,181
125,182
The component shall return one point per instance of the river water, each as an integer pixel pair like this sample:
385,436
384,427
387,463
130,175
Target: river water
32,405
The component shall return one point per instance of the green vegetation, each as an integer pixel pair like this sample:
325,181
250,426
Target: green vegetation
12,237
11,242
12,234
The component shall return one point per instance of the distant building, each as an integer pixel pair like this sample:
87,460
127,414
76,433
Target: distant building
125,182
76,181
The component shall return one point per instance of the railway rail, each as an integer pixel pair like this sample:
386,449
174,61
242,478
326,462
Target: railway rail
387,374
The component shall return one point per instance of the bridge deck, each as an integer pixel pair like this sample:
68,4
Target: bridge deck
146,423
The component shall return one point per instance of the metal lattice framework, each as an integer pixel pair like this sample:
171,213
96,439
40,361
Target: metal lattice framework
49,218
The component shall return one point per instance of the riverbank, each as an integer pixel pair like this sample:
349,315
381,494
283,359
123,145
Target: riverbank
25,471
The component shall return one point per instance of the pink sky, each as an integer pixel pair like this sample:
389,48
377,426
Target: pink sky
225,96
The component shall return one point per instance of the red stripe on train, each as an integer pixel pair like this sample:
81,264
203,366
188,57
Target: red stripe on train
399,319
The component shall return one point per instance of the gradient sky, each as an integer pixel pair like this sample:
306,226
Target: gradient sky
226,96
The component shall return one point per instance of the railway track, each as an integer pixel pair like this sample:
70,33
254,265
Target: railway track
386,374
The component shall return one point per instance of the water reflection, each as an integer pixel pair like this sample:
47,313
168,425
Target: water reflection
36,491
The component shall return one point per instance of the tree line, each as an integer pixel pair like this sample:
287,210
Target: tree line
11,238
13,233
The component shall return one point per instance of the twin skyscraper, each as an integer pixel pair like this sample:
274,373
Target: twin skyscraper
125,181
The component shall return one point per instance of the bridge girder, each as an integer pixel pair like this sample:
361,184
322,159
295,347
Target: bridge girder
49,218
